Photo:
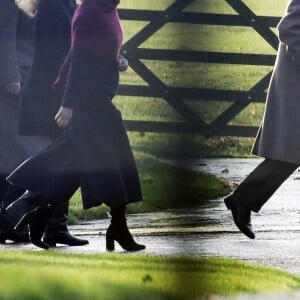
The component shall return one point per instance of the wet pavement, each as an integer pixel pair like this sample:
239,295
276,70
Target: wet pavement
277,225
209,231
172,232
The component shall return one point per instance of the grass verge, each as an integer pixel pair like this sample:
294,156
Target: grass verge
164,186
51,275
228,277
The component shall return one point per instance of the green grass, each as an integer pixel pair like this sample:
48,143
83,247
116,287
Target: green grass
52,275
227,277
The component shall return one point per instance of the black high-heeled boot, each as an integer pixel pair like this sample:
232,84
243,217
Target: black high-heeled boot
118,231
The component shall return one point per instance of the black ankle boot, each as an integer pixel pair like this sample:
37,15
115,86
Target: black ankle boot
118,231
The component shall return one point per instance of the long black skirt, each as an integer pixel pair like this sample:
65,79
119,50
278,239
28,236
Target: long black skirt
94,155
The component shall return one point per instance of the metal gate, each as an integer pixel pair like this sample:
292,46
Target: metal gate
175,96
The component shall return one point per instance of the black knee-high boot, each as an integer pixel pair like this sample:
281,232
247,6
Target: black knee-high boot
25,204
10,194
56,231
29,209
118,231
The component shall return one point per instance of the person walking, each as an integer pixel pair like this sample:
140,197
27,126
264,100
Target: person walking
278,137
16,56
24,44
94,153
40,102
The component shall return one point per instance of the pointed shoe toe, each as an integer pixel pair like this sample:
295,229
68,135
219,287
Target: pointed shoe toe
241,216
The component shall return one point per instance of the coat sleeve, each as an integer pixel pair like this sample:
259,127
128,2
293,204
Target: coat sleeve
289,31
9,70
74,80
52,34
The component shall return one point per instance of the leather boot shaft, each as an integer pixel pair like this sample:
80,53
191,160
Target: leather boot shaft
22,206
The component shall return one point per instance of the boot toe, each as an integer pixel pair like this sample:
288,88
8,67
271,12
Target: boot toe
241,216
63,237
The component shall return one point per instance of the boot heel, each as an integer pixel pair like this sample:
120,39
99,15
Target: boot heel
110,243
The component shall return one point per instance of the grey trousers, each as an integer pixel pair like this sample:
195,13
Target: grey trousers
262,183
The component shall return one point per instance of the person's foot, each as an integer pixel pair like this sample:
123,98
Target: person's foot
63,237
7,231
19,236
14,236
123,237
241,216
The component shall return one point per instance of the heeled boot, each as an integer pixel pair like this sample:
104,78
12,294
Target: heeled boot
118,231
29,209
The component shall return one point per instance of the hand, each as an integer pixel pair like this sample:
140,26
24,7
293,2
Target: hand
123,64
64,116
13,89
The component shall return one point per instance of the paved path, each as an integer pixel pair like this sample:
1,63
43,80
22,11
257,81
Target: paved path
164,233
209,231
277,226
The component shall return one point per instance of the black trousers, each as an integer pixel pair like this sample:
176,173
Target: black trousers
262,183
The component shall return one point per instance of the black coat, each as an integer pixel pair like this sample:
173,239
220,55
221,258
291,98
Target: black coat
16,52
95,153
52,41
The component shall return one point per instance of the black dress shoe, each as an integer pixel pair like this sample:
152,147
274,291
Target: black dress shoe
241,216
63,237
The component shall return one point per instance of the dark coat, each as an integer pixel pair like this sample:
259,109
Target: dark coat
40,102
16,53
279,135
95,153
